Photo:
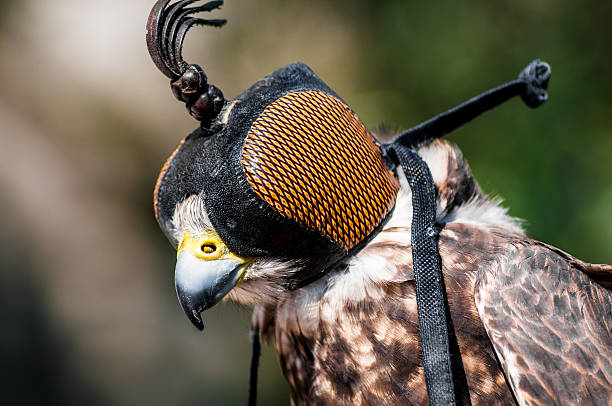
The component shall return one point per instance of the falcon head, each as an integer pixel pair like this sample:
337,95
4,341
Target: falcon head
276,191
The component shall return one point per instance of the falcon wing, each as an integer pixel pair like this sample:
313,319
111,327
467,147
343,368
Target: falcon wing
550,325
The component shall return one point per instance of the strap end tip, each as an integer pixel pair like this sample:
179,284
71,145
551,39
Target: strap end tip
536,77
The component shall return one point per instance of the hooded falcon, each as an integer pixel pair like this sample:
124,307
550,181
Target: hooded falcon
284,201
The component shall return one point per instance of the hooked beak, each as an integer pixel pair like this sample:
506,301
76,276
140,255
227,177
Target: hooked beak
205,272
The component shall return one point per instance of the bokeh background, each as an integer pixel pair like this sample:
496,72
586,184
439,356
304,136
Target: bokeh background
87,303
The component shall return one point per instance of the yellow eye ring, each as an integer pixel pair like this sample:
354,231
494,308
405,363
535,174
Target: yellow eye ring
208,247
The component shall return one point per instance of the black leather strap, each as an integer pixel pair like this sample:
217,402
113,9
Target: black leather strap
431,301
255,354
444,374
531,85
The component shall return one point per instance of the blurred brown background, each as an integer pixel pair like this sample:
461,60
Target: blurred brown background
87,303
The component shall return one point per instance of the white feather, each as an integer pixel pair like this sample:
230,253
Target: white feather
190,214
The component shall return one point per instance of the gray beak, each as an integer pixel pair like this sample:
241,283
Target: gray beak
200,284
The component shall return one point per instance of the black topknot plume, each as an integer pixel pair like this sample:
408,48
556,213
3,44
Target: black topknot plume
166,29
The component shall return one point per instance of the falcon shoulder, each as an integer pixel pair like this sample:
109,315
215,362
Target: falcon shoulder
550,324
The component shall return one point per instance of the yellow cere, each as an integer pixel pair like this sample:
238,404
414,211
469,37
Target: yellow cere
208,246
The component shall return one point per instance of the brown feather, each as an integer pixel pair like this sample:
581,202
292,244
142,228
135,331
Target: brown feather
369,353
550,325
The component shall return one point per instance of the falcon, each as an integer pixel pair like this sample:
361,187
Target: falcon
283,201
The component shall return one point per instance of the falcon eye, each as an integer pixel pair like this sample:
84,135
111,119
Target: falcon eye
208,248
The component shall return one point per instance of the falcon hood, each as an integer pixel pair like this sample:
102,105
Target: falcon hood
286,168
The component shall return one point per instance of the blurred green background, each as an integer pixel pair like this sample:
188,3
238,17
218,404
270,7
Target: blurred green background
89,313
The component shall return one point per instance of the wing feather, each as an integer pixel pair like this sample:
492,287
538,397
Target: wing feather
549,324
